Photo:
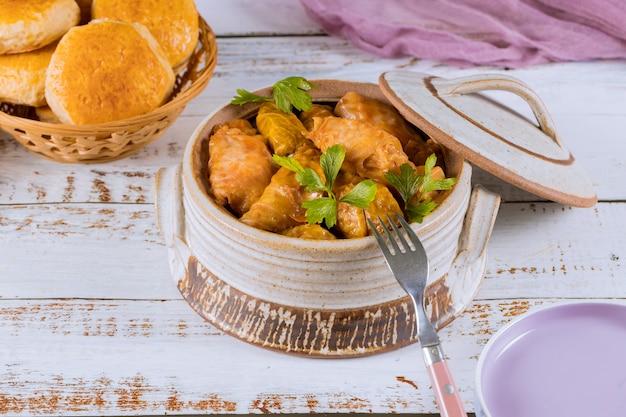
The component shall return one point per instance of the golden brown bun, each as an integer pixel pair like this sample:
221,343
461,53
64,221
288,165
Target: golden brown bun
23,76
106,71
175,28
26,25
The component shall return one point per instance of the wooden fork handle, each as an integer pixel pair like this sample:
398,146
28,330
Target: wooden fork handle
446,392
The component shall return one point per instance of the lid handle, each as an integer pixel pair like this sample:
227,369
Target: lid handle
482,82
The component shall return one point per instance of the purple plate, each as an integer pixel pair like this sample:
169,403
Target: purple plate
568,360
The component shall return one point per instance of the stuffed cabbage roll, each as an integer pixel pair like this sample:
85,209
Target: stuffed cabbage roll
384,115
317,110
384,204
428,148
284,131
309,231
280,205
352,221
370,151
240,165
242,124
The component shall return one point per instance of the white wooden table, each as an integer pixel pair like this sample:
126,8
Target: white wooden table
92,324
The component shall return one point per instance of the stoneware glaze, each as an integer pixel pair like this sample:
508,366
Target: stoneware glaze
316,298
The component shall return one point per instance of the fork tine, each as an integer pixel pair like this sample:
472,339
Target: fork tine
382,242
403,222
407,227
399,234
409,231
390,236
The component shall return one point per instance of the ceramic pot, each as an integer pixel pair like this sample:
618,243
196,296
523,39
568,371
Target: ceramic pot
317,298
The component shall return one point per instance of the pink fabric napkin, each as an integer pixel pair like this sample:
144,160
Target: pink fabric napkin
505,33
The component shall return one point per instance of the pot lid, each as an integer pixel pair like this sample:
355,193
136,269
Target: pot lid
490,135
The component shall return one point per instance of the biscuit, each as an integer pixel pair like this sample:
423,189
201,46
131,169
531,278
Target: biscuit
23,76
175,28
106,71
26,25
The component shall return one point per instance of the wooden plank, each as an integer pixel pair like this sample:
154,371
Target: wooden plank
146,357
548,250
253,18
83,251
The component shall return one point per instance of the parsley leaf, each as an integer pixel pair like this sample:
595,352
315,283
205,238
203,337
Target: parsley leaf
360,196
248,97
429,184
413,188
407,183
288,162
324,209
311,180
292,91
289,93
417,212
331,162
305,176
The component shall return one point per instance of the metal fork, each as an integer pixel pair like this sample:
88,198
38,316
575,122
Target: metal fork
409,264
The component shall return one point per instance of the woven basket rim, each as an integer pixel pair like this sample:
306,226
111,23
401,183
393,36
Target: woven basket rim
207,48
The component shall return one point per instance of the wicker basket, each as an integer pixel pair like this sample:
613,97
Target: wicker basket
114,140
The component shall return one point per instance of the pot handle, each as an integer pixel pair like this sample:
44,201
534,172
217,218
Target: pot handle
170,215
482,82
479,220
